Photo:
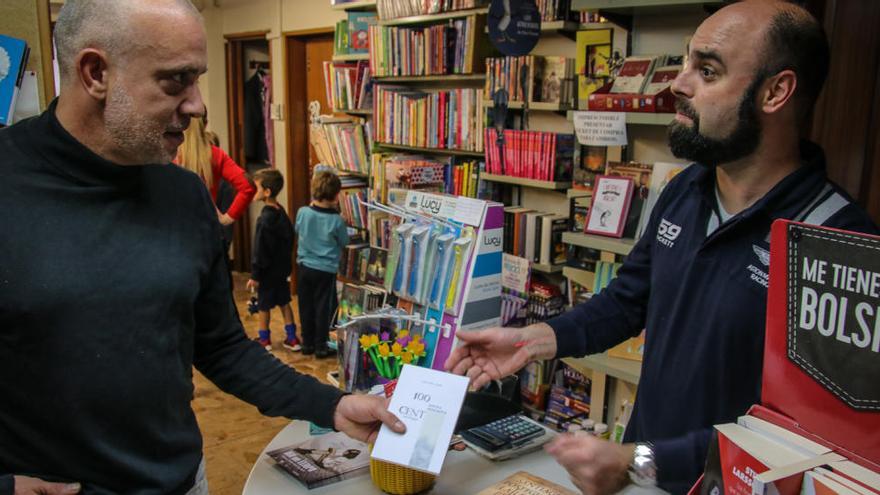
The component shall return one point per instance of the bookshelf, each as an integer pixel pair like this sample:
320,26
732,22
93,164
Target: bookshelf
351,57
357,5
533,105
417,149
640,118
612,380
432,18
583,277
518,181
356,111
539,267
443,78
624,369
577,193
633,5
600,243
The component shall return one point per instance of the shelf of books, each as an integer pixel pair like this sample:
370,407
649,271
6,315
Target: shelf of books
431,18
578,193
624,369
354,5
422,149
540,267
617,5
585,278
348,86
536,105
445,78
599,242
351,57
519,181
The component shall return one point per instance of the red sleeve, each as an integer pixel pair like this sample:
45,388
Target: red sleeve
226,168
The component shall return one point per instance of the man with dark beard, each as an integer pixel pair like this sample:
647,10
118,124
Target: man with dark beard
697,279
113,283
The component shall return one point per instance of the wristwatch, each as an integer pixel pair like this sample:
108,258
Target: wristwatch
643,469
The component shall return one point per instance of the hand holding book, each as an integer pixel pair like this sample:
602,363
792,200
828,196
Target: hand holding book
360,416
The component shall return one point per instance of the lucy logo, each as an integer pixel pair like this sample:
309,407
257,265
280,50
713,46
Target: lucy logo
492,241
430,204
667,233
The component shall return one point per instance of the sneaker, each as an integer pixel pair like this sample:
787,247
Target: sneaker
307,349
266,343
292,344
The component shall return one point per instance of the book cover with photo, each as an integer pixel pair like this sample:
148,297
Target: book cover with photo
593,60
323,459
13,58
523,483
376,266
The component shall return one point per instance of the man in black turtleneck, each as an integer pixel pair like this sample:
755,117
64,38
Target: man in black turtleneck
112,276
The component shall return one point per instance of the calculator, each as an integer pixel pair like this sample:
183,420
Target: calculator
504,433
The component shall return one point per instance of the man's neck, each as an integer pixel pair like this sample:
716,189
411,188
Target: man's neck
85,126
742,183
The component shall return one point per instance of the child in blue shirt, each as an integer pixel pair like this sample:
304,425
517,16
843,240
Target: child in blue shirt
271,265
321,236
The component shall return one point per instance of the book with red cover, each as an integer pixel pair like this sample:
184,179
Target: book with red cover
821,366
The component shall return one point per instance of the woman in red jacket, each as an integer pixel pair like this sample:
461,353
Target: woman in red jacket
212,164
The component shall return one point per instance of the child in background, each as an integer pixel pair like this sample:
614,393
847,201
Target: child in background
322,235
273,246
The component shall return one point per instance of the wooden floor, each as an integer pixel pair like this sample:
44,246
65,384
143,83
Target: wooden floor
235,432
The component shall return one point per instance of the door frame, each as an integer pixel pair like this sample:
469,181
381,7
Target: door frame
296,125
234,51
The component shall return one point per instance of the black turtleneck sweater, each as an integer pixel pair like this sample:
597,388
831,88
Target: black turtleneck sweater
113,286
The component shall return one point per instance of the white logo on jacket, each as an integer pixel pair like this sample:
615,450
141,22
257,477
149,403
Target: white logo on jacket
667,232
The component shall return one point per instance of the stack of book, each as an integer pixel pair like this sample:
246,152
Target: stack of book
348,86
534,235
462,178
351,34
569,399
555,10
353,262
394,9
549,79
445,119
352,207
534,155
357,299
431,50
343,144
545,302
403,171
646,74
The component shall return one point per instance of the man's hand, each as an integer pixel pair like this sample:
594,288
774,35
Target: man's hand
486,355
360,416
224,218
252,284
596,466
33,486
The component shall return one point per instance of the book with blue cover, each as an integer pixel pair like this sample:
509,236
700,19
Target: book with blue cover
13,58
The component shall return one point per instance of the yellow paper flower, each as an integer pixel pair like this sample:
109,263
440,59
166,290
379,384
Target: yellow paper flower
383,349
403,333
396,349
406,357
374,339
365,341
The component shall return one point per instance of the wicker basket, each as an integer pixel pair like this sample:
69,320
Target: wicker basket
399,480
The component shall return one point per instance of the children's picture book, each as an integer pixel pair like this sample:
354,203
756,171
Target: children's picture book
376,266
633,74
13,58
358,30
523,483
594,48
428,402
323,459
611,202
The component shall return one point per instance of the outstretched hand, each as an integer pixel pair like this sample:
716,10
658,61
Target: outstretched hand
486,355
360,416
25,485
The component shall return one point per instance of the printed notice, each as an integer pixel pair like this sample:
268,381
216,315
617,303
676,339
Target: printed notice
600,128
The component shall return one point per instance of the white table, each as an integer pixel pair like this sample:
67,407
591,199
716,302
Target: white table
463,472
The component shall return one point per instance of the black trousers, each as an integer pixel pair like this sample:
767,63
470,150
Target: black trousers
316,294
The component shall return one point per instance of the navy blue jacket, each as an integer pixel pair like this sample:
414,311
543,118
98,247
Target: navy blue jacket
273,246
702,301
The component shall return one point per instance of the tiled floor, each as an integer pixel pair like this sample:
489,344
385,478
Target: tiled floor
235,432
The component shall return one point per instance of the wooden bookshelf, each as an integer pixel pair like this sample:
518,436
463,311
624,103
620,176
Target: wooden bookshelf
533,105
357,5
417,149
433,78
578,193
585,278
354,174
519,181
538,267
639,118
351,57
432,18
624,369
598,242
636,5
559,26
356,111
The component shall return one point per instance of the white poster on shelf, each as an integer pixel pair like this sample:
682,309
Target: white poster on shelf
600,128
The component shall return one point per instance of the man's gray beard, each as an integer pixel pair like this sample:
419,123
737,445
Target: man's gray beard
133,135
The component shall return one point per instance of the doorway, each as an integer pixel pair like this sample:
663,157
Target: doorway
306,52
248,64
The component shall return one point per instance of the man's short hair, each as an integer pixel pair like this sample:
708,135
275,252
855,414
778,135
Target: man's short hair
325,186
101,24
271,180
795,40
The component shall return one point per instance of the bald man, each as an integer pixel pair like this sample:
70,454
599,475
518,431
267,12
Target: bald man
697,280
112,277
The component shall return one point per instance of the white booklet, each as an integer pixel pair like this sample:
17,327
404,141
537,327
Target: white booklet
428,402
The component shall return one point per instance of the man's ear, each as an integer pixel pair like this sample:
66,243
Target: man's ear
91,68
779,89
